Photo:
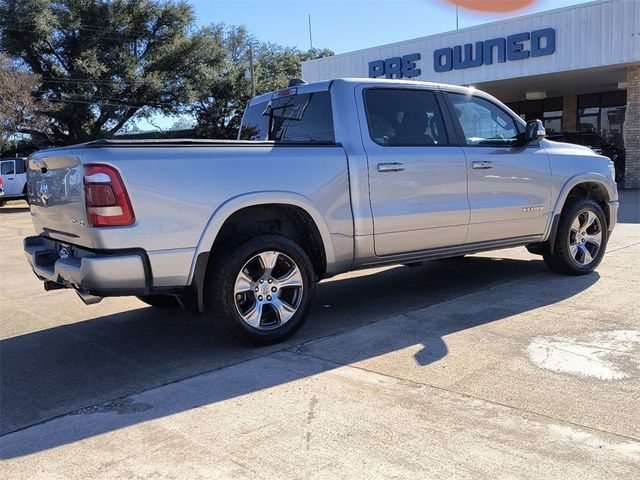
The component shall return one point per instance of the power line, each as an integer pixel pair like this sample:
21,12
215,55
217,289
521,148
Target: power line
81,26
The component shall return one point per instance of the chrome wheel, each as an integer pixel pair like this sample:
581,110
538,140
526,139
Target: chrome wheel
268,290
585,237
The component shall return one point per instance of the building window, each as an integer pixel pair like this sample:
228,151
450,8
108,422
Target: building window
548,110
603,113
553,121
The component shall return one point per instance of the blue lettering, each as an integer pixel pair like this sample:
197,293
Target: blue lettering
549,34
468,61
515,48
376,68
409,69
441,54
393,66
501,45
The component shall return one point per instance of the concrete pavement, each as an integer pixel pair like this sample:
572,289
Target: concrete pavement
486,367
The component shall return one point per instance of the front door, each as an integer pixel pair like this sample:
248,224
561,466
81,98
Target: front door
509,184
417,176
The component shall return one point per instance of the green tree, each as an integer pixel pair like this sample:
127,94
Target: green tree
219,108
103,63
20,110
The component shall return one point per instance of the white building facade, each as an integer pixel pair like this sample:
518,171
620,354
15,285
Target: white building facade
577,68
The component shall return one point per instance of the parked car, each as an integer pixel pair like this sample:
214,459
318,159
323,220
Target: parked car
14,178
327,177
599,145
1,193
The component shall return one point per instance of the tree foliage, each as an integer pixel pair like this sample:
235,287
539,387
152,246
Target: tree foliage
102,63
20,109
219,108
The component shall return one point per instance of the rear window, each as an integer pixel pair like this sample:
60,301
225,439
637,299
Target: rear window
305,118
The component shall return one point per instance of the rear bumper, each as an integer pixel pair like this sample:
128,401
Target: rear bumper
101,274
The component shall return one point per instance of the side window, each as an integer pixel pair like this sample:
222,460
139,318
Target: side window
305,118
482,122
403,118
6,168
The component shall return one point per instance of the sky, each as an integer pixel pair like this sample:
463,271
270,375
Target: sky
347,25
343,25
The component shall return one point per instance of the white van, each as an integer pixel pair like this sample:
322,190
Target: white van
14,178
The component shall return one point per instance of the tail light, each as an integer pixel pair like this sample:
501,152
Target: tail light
106,198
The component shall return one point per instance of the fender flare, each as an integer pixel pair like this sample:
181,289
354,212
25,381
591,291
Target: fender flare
234,204
568,186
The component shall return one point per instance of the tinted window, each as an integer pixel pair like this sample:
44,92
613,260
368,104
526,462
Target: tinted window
404,118
7,168
21,165
482,122
296,118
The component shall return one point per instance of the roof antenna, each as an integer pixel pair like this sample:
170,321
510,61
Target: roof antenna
294,82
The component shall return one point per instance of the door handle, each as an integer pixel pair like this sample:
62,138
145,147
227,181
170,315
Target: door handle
390,167
481,165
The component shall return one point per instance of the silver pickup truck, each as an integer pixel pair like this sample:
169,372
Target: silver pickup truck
325,178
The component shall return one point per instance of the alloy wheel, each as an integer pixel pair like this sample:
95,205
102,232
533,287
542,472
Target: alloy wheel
585,237
268,290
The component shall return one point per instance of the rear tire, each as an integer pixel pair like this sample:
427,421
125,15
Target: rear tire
165,302
260,291
581,239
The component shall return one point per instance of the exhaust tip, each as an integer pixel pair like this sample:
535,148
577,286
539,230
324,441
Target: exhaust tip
88,299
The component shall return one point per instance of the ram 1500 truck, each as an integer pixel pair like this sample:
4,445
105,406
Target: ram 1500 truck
325,178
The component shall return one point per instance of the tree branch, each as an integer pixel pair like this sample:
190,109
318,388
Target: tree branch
125,118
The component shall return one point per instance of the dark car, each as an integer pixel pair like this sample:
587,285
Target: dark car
596,143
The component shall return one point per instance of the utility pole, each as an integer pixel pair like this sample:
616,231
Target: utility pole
310,38
251,72
456,17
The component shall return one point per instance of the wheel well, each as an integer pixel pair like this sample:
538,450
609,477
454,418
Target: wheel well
593,191
287,220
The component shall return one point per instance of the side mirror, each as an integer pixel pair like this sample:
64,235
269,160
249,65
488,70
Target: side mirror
534,131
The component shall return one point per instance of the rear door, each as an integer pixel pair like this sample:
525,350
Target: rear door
8,172
509,184
417,174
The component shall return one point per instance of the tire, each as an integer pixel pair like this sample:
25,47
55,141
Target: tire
573,252
165,302
276,310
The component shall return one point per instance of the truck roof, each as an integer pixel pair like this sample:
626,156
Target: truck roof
326,85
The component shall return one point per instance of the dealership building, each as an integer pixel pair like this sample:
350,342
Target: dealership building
576,68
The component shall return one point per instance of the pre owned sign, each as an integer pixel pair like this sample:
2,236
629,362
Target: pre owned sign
513,47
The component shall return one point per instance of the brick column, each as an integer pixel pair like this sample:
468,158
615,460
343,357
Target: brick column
569,113
632,129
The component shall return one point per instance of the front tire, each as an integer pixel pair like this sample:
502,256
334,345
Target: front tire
260,292
581,239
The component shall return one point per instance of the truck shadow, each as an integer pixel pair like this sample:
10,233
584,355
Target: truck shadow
68,368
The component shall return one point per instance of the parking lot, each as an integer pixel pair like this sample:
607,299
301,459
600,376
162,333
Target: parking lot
488,366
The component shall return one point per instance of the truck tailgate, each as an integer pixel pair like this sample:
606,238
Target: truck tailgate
56,192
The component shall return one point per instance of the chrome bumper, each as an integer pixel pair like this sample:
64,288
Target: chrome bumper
104,274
